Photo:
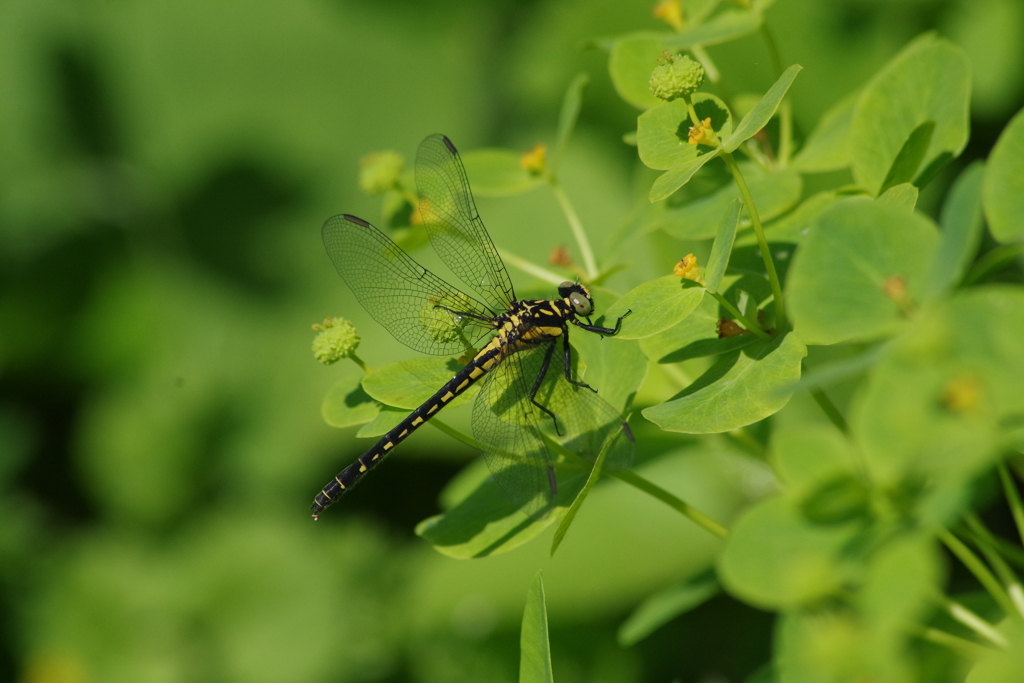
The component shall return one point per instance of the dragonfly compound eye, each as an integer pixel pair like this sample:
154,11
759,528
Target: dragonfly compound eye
581,304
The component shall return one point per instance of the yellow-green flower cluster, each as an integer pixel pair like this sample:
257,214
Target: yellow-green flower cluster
337,339
678,75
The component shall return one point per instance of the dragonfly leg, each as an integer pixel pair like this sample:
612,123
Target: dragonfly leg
568,363
540,379
603,330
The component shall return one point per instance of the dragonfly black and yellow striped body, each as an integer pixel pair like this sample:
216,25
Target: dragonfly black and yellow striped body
521,404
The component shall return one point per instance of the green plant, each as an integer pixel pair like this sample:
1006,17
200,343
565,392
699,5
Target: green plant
897,309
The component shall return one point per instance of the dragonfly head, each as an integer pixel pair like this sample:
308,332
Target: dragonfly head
578,297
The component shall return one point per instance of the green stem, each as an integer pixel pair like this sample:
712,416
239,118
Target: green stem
985,542
681,378
963,647
980,571
742,438
972,621
692,513
359,361
710,69
785,110
530,268
455,433
695,515
766,255
577,228
829,408
1013,498
735,312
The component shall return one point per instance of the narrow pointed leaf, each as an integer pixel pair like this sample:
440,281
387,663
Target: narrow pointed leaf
534,647
666,605
759,116
722,248
567,117
962,227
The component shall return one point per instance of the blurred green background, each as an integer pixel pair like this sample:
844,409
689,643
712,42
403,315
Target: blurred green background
164,172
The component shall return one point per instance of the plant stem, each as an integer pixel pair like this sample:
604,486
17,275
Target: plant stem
359,361
963,647
1012,497
530,268
985,541
742,438
785,111
455,433
710,69
735,312
694,515
973,621
830,410
980,571
766,255
577,228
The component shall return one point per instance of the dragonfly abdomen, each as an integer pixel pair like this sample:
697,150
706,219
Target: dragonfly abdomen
348,477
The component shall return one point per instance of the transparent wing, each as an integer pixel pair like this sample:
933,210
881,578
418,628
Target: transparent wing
456,232
508,426
400,294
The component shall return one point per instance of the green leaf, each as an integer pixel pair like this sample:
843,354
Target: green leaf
534,649
630,64
615,367
928,81
671,180
577,503
828,147
908,159
794,226
859,270
805,455
666,605
900,584
1003,666
759,116
694,337
773,558
346,403
962,228
486,522
1003,193
567,117
773,193
722,248
721,28
937,405
634,55
742,387
902,196
409,383
386,420
662,134
657,305
498,173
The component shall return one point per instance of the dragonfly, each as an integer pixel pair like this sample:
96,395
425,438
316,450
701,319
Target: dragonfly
525,409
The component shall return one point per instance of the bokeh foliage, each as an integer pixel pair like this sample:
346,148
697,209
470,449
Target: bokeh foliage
164,170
